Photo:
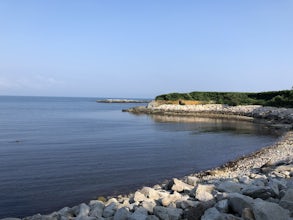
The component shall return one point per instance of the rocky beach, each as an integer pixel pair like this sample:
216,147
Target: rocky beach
258,186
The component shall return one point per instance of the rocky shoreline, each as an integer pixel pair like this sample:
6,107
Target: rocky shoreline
255,187
282,117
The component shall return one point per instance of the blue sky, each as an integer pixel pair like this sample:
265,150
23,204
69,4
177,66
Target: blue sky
107,48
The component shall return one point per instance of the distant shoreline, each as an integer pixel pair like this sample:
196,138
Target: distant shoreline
277,117
122,101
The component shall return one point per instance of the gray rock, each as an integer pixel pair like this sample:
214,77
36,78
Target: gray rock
152,217
263,210
83,210
238,202
137,216
222,206
244,179
150,193
66,212
192,180
274,188
121,214
110,210
211,214
85,218
214,214
262,192
230,187
141,210
195,213
168,213
139,197
287,201
221,195
204,192
186,204
97,209
52,216
10,219
247,214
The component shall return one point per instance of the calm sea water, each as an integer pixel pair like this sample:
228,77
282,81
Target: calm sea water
57,152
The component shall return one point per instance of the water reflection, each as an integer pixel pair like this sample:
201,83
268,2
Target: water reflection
217,125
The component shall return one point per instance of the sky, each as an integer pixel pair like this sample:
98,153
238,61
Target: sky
143,48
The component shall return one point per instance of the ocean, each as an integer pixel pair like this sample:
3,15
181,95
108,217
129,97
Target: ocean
57,152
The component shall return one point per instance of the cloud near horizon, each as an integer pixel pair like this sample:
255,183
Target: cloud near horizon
35,82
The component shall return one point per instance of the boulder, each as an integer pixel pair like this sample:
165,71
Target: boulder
247,214
83,210
186,204
195,213
244,179
110,210
10,219
204,192
230,187
262,192
152,217
112,200
263,210
211,214
150,193
238,202
192,180
214,214
222,206
139,197
287,201
149,205
122,214
168,213
171,198
180,186
97,209
66,212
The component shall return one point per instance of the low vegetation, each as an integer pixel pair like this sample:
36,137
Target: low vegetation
282,98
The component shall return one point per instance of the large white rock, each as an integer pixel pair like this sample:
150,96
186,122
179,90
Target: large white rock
180,186
150,193
149,205
204,192
171,198
139,197
192,180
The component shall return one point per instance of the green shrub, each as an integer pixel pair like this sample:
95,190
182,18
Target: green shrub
273,98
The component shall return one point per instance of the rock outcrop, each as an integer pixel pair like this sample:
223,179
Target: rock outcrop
271,115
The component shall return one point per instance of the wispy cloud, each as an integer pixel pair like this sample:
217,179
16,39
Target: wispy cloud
33,82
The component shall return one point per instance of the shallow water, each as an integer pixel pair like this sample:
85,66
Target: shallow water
57,152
